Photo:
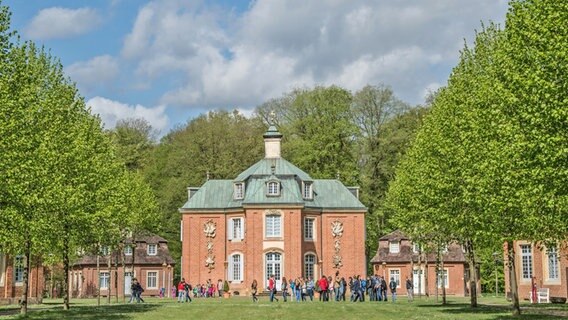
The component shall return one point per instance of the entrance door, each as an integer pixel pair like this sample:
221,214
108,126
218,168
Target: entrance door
274,267
127,283
418,281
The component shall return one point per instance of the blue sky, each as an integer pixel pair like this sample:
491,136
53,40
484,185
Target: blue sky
170,60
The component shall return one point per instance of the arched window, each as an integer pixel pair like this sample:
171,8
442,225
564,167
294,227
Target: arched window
309,263
236,267
273,188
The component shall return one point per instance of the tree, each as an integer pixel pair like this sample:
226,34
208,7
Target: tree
134,139
386,125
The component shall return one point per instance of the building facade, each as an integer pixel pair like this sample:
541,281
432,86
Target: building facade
147,259
539,265
398,257
12,279
273,218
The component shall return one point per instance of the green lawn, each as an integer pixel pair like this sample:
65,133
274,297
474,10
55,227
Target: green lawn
243,308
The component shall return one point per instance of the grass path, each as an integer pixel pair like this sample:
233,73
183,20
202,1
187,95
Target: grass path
242,308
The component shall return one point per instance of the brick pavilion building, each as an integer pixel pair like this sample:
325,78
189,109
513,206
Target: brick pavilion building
273,218
398,257
12,279
147,258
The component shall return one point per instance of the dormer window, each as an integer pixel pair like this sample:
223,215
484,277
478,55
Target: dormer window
152,249
307,190
394,247
273,188
239,191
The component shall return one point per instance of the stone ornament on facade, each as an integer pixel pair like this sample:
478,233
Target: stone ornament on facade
209,228
337,233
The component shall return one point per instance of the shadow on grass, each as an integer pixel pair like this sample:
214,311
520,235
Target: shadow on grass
89,312
503,312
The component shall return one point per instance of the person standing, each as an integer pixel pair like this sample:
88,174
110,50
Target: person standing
272,288
310,288
409,289
323,288
254,290
336,286
220,287
392,287
187,288
284,288
181,290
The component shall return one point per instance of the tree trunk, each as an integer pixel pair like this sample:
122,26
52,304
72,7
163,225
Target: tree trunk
513,278
98,277
27,263
65,273
443,279
437,271
420,273
472,273
123,277
426,292
109,276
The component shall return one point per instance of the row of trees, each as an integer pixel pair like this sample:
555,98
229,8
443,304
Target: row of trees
490,163
64,189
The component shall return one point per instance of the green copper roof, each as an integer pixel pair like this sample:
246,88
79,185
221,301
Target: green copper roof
272,132
333,194
328,194
282,168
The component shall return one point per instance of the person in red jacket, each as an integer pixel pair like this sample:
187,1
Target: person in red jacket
323,284
181,290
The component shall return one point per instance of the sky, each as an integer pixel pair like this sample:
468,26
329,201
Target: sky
168,61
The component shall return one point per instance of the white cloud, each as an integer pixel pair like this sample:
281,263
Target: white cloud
222,60
57,22
95,72
111,111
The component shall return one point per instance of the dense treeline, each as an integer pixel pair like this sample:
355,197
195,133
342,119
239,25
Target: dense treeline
489,165
63,190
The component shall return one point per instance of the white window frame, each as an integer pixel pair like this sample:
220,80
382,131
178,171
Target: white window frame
105,251
236,267
394,273
310,264
239,190
309,229
394,246
416,247
155,251
307,190
19,269
104,279
553,263
233,233
271,232
526,262
443,275
155,277
273,188
128,250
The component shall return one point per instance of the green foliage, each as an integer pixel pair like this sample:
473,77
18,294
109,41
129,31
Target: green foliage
134,139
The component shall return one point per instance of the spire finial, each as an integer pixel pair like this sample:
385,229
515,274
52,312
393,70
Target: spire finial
272,118
207,173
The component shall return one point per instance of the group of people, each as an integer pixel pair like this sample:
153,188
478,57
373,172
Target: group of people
206,290
136,291
300,289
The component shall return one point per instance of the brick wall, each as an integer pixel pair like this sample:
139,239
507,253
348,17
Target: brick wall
255,245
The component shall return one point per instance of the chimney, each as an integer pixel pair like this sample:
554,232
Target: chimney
272,140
